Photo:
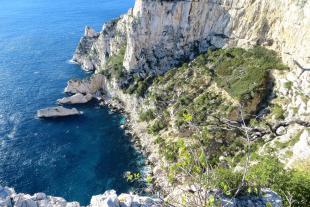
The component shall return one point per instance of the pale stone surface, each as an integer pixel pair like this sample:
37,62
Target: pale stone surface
58,111
8,198
86,86
125,200
158,34
75,99
108,199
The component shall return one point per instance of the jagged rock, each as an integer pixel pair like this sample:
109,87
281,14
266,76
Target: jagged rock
268,197
90,32
75,99
23,200
90,36
160,34
5,197
281,130
108,199
39,196
145,202
8,198
125,200
58,111
86,86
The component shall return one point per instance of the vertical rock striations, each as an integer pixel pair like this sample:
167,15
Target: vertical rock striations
160,34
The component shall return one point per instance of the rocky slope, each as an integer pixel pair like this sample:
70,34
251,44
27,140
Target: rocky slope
157,35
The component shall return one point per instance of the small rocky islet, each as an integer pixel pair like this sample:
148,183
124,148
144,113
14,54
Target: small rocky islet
181,70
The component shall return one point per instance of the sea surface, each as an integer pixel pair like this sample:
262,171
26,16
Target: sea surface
73,157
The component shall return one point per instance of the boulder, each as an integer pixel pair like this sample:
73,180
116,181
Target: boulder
268,198
108,199
58,111
125,200
39,196
8,198
76,99
90,32
5,197
281,130
24,200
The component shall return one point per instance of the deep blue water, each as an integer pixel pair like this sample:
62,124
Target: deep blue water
74,157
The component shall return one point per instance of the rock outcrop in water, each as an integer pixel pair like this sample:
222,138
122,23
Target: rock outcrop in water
76,99
9,198
87,86
58,111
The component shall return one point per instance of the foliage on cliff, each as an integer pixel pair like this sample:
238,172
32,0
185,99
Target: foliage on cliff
196,100
114,67
191,110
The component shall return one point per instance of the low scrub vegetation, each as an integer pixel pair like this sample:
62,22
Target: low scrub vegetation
195,110
114,67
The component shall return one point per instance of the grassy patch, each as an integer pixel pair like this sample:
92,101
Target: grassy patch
277,112
147,115
114,67
156,127
288,85
244,73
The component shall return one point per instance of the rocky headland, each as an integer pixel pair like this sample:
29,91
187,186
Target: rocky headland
182,69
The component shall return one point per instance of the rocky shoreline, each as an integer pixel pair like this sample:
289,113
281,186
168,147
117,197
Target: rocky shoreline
9,198
164,47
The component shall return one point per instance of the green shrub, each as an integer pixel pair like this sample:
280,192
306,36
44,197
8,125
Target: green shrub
288,85
241,71
115,64
270,173
147,115
277,111
227,180
139,88
157,126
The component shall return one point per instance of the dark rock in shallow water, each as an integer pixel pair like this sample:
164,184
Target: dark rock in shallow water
58,111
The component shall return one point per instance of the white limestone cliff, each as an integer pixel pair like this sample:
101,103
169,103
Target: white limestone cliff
159,34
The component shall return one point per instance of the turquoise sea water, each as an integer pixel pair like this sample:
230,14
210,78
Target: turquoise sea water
73,157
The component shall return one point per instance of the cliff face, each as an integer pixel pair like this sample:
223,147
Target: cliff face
159,34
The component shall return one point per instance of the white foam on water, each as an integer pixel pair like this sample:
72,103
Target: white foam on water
15,120
71,61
